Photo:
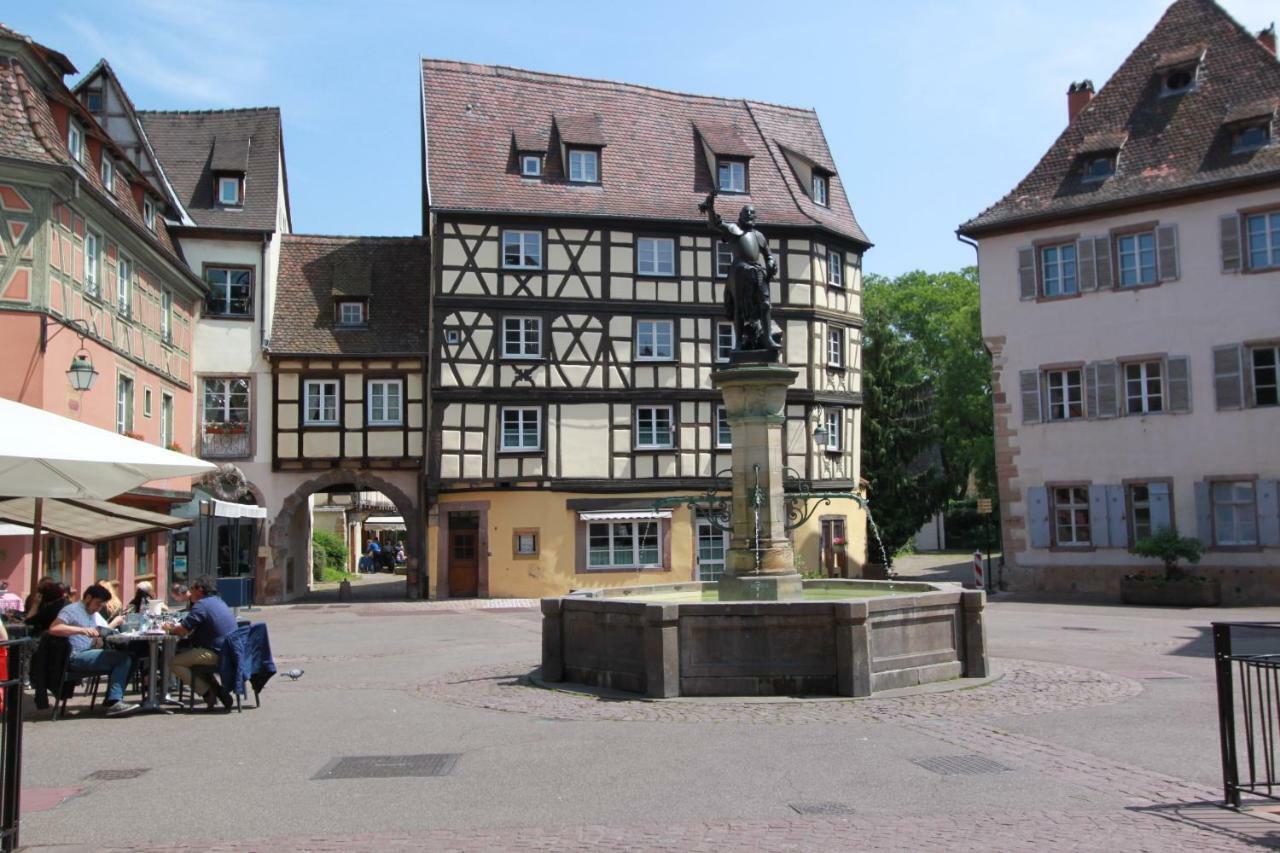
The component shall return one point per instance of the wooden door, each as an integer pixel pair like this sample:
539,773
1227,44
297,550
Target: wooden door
464,563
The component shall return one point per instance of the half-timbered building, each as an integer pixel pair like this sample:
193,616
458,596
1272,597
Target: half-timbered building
578,315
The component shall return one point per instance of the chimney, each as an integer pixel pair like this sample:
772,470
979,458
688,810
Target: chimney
1078,97
1267,38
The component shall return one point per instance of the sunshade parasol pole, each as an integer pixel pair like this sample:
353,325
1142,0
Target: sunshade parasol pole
37,547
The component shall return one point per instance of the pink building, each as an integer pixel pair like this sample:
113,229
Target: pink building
88,270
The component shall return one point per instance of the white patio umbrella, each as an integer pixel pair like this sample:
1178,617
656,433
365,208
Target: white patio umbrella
43,455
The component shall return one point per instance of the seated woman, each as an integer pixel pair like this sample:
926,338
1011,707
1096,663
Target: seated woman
115,606
48,601
138,604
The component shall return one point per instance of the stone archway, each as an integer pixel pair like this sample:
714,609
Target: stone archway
284,530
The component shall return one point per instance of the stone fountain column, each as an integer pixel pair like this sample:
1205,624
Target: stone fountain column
760,565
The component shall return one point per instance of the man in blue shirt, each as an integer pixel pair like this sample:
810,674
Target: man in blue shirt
80,623
208,624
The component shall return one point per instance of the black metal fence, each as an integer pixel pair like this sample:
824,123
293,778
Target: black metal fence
16,654
1247,659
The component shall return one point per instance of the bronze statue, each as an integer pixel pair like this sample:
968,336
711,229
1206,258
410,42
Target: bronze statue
746,294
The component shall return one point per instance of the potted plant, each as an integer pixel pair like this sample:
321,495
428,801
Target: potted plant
176,447
1175,587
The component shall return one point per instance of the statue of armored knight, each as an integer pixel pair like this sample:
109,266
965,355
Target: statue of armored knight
746,295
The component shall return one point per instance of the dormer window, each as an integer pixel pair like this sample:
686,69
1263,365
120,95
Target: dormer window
531,165
1099,168
820,189
75,141
1179,80
731,176
108,172
350,312
1251,137
584,166
229,191
1179,69
149,213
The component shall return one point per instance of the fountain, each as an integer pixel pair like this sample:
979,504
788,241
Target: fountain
761,630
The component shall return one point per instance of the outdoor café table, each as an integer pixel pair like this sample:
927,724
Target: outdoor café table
159,655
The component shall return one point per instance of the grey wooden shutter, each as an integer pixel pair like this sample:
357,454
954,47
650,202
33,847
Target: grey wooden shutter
1268,513
1117,528
1204,515
1229,238
1038,516
1167,252
1178,368
1161,516
1086,274
1030,385
1099,529
1090,379
1105,375
1228,376
1027,273
1102,262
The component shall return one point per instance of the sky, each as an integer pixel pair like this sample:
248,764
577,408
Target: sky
933,109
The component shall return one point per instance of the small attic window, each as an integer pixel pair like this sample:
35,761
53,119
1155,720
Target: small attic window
820,187
229,190
1100,167
1178,80
149,213
531,165
108,172
93,100
351,312
75,141
1251,137
584,166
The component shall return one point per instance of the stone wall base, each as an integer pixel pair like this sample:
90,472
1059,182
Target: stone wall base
1242,586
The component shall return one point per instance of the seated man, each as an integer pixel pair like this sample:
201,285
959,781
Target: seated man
208,625
79,622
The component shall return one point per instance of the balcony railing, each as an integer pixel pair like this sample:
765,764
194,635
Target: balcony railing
224,443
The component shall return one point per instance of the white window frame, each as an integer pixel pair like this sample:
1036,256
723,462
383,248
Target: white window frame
649,260
1270,236
519,546
379,408
821,189
1057,270
1136,256
722,258
327,393
146,401
352,319
737,174
234,183
1239,146
226,412
1241,510
835,269
124,403
1139,504
1061,390
579,159
528,339
92,263
166,419
528,244
1254,383
834,421
651,330
166,316
634,527
723,353
721,427
149,213
75,140
1077,501
225,287
107,172
835,347
651,413
522,428
1144,387
124,285
531,165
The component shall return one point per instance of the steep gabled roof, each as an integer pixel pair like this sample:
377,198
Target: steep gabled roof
392,272
188,142
652,167
1173,144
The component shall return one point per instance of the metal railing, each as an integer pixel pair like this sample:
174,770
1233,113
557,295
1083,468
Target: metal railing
17,653
224,445
1247,662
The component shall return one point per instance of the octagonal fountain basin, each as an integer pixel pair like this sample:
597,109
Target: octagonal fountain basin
843,638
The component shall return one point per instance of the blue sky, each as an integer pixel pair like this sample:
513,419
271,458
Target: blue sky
933,108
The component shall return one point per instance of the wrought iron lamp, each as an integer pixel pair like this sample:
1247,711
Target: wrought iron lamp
82,373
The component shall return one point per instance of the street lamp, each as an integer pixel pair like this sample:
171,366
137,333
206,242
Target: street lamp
82,373
820,432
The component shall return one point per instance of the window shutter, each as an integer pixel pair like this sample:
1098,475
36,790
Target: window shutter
1178,369
1099,529
1105,374
1161,518
1085,271
1268,513
1027,273
1167,252
1102,261
1118,529
1228,377
1038,516
1030,381
1204,515
1229,231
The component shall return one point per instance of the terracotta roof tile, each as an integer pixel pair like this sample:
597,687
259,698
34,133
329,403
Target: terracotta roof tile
723,138
1106,140
652,167
392,271
1176,143
580,128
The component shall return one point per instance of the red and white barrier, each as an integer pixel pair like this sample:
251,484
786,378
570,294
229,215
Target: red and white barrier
979,582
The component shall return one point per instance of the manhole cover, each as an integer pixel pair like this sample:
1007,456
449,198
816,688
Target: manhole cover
387,766
960,765
821,808
116,775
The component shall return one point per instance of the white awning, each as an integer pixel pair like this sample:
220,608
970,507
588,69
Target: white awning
226,509
624,514
384,521
17,530
90,521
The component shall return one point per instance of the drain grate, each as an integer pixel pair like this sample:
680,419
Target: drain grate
829,809
388,766
117,774
960,765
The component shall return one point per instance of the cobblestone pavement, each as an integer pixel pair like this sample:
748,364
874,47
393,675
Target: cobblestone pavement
1026,687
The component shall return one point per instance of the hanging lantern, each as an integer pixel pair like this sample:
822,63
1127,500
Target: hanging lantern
82,373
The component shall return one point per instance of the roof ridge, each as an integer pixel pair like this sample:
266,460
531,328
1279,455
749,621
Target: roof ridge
458,66
210,111
405,237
